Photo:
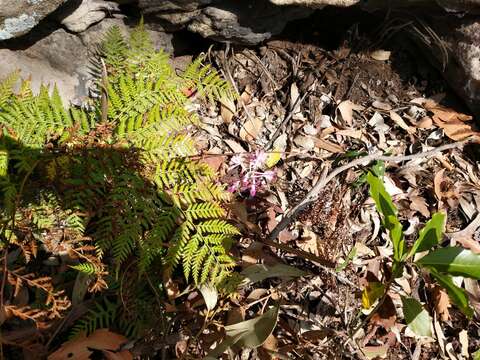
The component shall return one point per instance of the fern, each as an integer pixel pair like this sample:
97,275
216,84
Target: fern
102,315
119,182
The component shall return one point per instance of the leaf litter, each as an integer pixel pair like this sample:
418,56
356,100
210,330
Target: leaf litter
310,112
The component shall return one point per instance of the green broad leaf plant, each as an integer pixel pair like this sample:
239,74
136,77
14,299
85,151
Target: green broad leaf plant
441,263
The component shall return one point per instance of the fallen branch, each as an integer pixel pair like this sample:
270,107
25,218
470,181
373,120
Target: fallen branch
324,180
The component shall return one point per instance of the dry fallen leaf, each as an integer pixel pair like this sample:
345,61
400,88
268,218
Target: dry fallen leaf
463,338
380,55
309,242
442,304
305,142
215,162
251,128
227,109
346,109
295,102
327,145
246,96
381,105
453,123
80,348
235,146
400,122
425,122
469,243
419,204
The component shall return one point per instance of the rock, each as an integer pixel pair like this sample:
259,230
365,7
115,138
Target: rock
462,71
59,58
246,22
18,17
91,37
316,3
78,18
468,6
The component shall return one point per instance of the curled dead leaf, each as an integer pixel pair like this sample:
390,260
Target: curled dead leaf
452,122
251,129
227,109
425,122
346,109
397,119
442,303
80,348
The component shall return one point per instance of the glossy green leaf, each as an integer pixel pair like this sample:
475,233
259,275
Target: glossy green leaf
247,334
383,200
417,318
430,235
385,206
455,261
456,294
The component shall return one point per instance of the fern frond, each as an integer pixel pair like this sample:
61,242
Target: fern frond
206,81
114,49
101,316
6,88
86,268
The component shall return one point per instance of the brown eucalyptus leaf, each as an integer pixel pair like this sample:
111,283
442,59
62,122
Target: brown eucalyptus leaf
227,109
346,109
442,303
453,123
104,340
251,129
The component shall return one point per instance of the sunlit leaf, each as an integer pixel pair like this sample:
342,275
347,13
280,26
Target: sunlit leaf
455,261
273,158
416,317
430,235
210,295
372,292
385,206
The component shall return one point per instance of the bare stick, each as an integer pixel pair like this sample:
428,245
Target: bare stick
297,101
324,180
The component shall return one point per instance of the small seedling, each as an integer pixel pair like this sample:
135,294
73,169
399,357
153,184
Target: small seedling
440,262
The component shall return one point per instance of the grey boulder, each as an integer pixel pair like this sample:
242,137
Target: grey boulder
18,17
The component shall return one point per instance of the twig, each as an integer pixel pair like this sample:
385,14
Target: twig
104,99
297,101
226,66
313,194
265,69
